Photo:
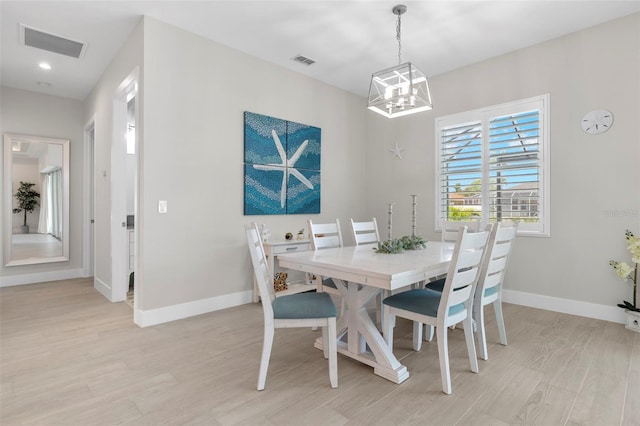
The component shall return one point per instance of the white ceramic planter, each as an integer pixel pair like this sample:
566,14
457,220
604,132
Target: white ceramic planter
633,320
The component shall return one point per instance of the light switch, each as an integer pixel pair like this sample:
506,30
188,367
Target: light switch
162,206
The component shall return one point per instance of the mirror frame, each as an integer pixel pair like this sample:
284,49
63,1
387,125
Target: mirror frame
8,199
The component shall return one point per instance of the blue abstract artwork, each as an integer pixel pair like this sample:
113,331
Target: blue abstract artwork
281,166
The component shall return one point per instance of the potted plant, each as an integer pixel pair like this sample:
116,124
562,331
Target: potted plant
628,272
28,199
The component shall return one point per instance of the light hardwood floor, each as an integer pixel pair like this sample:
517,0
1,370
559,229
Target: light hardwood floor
69,357
26,246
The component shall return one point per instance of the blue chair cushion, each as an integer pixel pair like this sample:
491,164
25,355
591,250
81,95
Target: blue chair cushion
421,301
490,291
304,305
436,285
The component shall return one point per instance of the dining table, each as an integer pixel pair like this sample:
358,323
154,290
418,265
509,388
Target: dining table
360,274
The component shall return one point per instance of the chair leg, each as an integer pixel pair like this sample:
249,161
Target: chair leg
467,325
482,337
428,332
417,336
266,354
443,354
497,306
325,342
333,352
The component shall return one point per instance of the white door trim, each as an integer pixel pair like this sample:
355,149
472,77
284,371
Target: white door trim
88,249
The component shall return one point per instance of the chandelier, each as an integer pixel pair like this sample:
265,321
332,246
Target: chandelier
400,90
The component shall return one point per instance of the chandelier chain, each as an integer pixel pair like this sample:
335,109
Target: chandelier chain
398,31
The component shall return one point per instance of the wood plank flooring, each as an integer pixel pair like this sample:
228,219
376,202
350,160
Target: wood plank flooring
69,357
26,246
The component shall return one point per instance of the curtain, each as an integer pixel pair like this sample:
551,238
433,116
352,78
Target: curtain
44,204
56,203
51,204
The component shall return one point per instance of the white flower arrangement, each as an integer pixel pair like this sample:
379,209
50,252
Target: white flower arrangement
626,272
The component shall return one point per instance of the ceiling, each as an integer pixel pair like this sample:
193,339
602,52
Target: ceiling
349,40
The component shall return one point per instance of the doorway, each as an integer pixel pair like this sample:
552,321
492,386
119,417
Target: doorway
124,191
132,168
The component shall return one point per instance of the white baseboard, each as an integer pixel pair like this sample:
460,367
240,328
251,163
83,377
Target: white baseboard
565,306
189,309
102,287
39,277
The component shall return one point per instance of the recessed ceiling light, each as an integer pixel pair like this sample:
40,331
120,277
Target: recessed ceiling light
45,65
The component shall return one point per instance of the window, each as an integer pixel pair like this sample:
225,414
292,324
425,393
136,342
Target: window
493,165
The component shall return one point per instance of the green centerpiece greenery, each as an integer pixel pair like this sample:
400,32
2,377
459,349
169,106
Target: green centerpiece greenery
413,242
398,245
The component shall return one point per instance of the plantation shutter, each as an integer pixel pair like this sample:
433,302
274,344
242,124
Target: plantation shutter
493,165
461,171
514,167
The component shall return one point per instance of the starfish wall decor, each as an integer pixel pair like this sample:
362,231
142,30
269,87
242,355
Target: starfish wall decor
276,152
397,151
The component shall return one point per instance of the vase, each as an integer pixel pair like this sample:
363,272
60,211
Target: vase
633,320
25,229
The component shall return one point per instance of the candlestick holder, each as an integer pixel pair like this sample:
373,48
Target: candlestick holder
390,221
413,214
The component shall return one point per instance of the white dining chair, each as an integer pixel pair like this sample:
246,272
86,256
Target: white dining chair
324,236
489,289
450,230
296,310
365,232
442,309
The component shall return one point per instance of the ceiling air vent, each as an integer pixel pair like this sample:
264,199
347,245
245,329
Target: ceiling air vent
50,42
303,60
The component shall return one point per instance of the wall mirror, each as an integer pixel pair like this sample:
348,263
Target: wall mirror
42,234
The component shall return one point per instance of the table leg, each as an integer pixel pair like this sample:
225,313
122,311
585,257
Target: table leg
355,341
364,341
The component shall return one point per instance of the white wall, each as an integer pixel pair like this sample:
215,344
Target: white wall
99,105
52,159
595,180
36,114
195,94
